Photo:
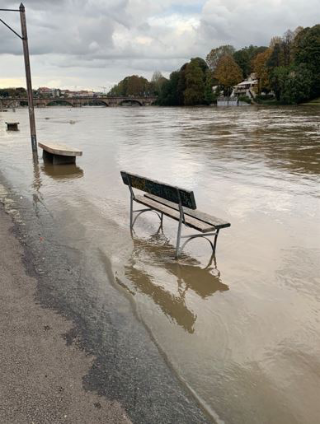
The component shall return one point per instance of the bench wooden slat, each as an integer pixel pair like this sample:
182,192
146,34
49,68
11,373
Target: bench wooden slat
60,149
159,189
208,219
166,210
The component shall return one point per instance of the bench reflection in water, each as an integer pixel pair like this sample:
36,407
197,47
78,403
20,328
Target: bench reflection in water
189,276
61,172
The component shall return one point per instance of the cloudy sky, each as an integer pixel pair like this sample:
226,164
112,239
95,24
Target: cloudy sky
95,43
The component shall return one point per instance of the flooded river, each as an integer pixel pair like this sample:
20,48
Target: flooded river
242,332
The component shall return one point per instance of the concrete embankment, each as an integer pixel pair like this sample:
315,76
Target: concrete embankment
71,349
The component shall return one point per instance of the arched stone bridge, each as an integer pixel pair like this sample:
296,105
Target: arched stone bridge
80,101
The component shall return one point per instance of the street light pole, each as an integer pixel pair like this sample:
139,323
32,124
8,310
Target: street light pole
28,78
24,38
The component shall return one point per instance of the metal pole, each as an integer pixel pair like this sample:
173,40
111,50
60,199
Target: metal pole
29,84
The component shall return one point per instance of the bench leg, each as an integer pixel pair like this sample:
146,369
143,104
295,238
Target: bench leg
63,160
178,239
131,211
47,157
205,236
58,159
161,221
215,242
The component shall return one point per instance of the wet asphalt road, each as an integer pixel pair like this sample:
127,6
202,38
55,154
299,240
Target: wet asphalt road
41,377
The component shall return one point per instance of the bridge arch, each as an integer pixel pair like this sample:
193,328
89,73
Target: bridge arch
95,103
59,103
130,102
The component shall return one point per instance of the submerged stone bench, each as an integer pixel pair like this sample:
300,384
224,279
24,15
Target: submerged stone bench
12,126
59,154
173,202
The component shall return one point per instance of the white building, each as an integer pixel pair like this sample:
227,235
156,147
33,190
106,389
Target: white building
248,88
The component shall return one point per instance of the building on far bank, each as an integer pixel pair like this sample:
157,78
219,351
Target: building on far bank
79,93
48,92
248,88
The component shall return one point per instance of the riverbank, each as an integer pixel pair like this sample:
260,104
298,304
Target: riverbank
314,102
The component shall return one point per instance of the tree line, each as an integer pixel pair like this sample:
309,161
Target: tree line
19,92
288,70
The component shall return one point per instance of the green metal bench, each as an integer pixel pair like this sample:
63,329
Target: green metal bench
176,203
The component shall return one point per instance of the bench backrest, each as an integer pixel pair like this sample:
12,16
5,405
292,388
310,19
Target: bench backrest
159,189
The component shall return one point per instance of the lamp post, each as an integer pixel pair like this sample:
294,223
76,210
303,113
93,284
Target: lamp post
24,38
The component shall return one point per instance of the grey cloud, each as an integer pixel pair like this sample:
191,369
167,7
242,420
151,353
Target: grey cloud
248,22
143,35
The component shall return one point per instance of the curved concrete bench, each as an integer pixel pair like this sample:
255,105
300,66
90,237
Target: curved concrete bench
58,153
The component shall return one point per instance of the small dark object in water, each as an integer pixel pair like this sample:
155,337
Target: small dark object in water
12,126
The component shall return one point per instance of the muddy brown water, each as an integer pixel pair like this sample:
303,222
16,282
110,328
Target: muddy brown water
241,331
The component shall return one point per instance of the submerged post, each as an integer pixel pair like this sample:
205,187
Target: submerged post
29,84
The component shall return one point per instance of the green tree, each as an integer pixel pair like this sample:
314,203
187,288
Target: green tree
209,96
307,52
187,86
291,84
137,86
13,92
275,57
244,58
194,94
156,83
282,50
182,84
131,86
287,47
297,85
278,77
169,91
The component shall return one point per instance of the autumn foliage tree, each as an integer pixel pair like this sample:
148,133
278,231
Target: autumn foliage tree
244,58
261,69
216,54
228,73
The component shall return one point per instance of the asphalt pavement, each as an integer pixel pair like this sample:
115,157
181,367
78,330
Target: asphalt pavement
41,376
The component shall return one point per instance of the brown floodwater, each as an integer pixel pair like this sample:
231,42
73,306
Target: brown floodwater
241,330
